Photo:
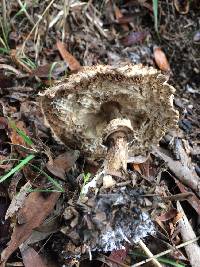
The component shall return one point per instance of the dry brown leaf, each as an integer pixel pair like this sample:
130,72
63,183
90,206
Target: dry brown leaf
118,13
17,139
32,258
44,71
177,218
168,215
18,200
73,63
63,163
118,16
161,59
35,210
182,6
136,167
162,226
194,200
134,37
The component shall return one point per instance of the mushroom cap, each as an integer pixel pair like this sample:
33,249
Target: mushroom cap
78,108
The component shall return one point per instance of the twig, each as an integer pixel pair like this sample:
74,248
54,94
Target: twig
26,13
181,169
187,233
148,253
36,24
166,252
95,21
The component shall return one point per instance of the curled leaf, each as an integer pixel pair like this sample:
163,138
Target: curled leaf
73,63
182,6
134,37
161,59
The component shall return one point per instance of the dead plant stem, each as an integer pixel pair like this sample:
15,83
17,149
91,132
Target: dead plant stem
36,24
166,252
148,253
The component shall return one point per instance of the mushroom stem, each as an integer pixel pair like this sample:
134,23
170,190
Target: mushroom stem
117,154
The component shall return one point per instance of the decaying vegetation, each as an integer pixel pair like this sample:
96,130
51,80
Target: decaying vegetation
96,166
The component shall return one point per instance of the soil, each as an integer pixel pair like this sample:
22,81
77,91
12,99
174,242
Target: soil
31,60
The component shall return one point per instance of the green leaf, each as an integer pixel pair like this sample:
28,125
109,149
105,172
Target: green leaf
155,12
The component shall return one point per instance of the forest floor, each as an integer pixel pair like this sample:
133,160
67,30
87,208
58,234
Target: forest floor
41,42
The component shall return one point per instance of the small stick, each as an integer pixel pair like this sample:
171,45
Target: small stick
148,253
165,252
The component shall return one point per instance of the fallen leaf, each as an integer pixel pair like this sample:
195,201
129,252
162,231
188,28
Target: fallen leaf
73,63
168,215
125,19
31,258
16,138
182,6
193,200
134,38
18,200
41,71
63,163
50,70
161,59
119,16
177,218
35,210
136,167
117,257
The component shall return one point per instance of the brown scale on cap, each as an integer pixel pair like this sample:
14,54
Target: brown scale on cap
80,109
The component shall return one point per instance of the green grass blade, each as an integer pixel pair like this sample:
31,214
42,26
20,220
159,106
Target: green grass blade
17,168
22,10
155,13
53,181
27,61
25,137
4,50
45,190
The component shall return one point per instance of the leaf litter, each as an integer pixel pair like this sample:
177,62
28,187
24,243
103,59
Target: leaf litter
93,34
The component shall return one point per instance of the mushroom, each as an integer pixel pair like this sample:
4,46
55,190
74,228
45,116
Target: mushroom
111,112
116,114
